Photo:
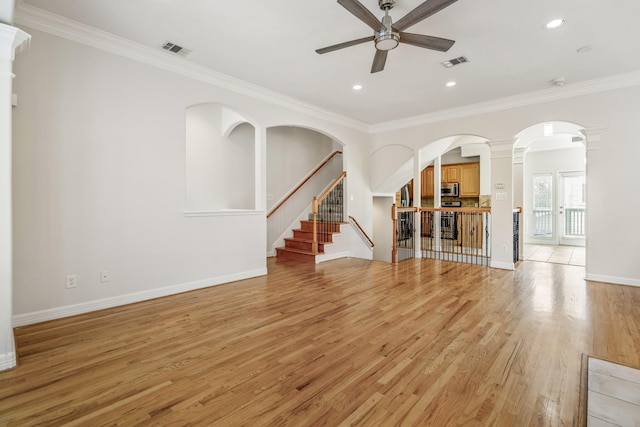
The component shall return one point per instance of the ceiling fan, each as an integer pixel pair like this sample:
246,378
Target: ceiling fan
387,34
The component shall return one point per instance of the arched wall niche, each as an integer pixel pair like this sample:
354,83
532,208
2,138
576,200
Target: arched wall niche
221,158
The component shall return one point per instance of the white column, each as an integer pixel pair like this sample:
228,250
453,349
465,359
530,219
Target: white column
10,39
501,204
518,190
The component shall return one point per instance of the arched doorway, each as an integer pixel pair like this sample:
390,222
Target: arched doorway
549,162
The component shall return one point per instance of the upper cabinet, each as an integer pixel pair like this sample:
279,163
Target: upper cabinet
426,189
466,174
450,173
470,180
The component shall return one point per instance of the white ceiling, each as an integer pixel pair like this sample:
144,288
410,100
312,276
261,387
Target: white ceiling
272,44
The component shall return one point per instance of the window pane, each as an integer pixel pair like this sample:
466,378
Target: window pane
542,204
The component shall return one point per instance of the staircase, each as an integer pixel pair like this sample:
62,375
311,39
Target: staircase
328,211
300,246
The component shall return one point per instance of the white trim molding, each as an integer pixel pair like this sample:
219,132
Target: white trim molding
72,310
502,265
50,23
604,84
7,361
612,279
33,17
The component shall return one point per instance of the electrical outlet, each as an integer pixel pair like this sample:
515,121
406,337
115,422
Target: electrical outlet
104,276
72,281
504,248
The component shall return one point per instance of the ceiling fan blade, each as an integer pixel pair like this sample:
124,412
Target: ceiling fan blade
427,42
343,45
362,13
379,61
421,12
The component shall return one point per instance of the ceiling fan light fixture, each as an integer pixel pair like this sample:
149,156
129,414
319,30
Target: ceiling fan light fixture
387,41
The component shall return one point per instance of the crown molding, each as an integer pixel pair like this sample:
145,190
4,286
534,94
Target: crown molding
546,95
38,19
41,20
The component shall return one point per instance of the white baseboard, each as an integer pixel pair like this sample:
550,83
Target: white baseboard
7,361
86,307
612,279
502,265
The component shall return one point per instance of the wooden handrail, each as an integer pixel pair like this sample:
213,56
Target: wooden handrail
331,187
307,178
362,231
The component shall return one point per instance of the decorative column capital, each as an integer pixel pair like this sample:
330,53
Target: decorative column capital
593,136
518,154
501,148
12,40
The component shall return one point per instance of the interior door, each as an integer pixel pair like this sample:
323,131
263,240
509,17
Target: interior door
571,208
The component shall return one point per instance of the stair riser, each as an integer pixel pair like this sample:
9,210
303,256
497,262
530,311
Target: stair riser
332,227
305,246
301,234
283,253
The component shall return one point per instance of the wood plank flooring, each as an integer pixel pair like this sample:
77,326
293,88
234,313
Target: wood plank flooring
613,394
347,342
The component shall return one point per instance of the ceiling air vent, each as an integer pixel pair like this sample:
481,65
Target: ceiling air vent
175,49
455,61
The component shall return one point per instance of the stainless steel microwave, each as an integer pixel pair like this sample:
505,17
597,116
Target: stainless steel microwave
449,189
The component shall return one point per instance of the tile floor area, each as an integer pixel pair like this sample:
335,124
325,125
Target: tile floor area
573,255
613,397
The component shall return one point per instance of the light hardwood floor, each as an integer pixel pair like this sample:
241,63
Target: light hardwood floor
347,342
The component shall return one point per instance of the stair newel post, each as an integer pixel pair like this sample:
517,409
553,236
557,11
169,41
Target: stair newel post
394,218
314,207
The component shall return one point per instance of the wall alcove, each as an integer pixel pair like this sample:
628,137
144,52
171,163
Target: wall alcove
220,160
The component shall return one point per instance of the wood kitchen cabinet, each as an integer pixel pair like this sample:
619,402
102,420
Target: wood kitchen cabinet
466,174
470,180
450,173
426,185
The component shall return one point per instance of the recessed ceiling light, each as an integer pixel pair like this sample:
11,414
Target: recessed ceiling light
554,24
450,84
357,87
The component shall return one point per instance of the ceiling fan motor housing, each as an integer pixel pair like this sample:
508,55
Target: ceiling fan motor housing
386,4
387,38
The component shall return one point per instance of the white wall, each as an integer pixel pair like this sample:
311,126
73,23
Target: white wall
611,158
383,228
99,182
291,154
